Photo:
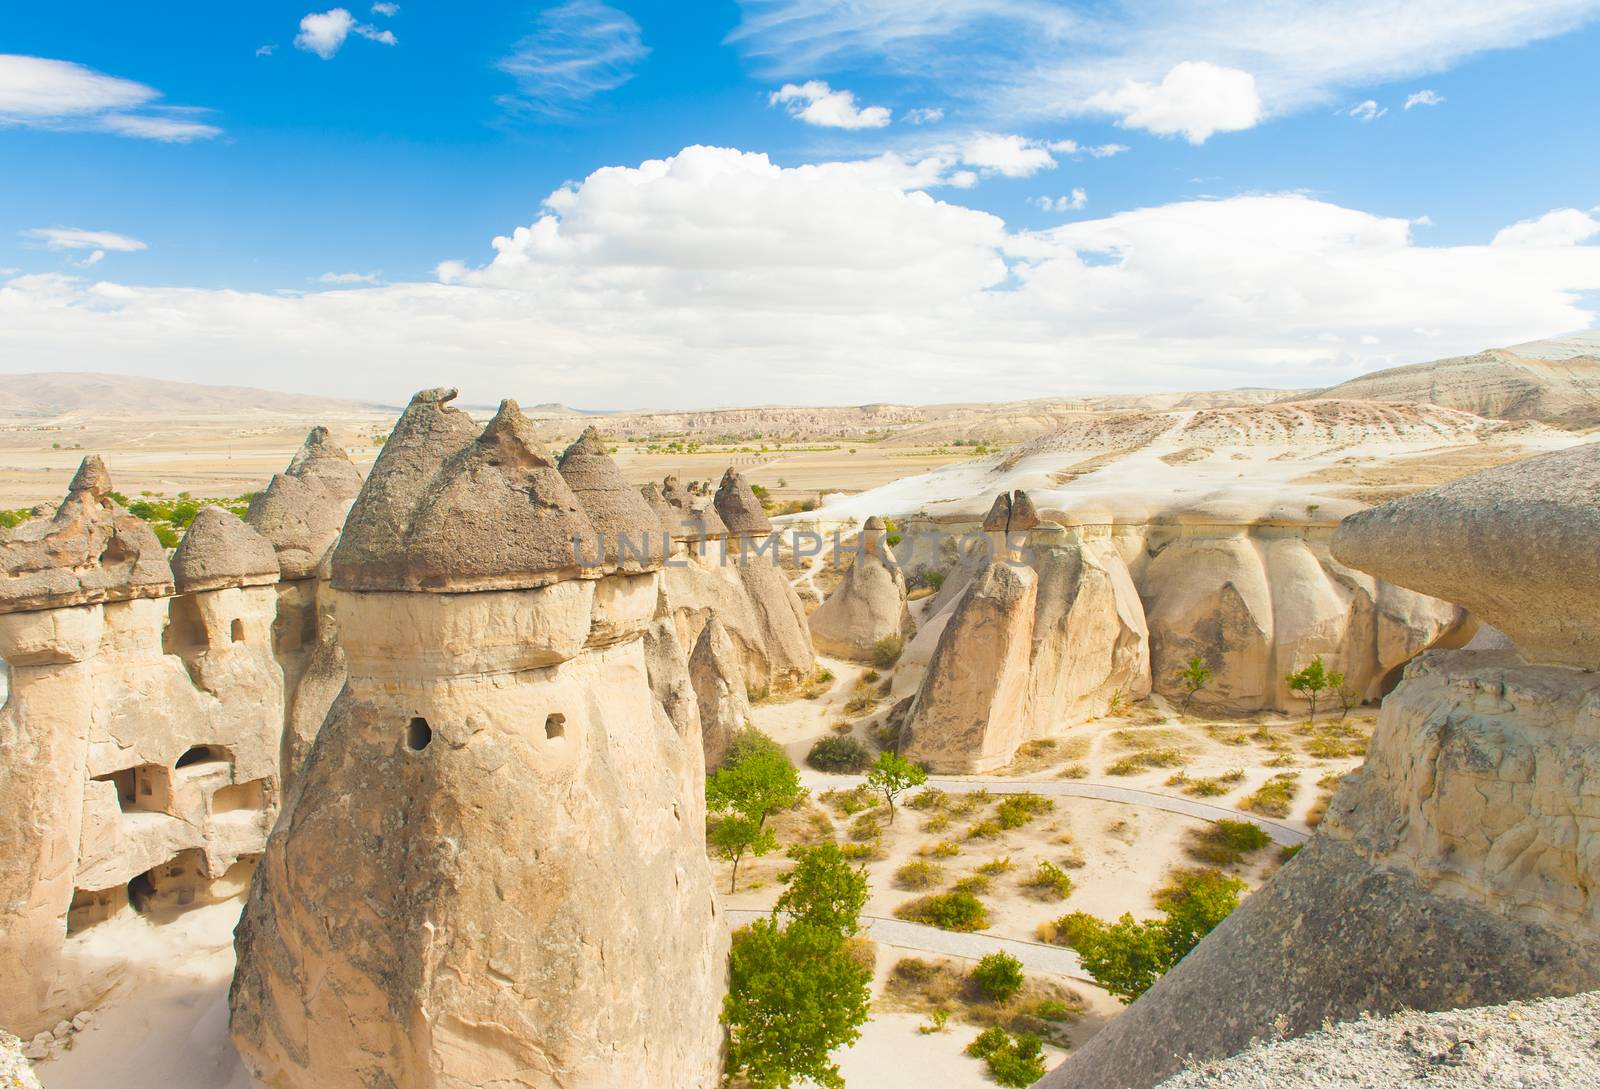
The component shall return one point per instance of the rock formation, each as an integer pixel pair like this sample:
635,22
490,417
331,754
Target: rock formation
668,669
867,606
492,869
139,746
630,529
719,691
1457,867
302,511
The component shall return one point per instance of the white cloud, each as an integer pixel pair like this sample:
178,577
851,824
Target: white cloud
1012,156
266,50
1075,149
815,103
38,92
385,9
578,49
373,34
350,277
722,264
925,115
1563,227
1195,98
1044,58
324,33
73,238
1366,111
1424,98
1076,201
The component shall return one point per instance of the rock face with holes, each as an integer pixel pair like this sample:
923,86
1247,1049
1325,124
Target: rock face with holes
139,746
301,512
1457,868
500,792
868,605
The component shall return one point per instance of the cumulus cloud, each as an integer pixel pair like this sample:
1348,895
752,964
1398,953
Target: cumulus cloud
324,33
1424,98
1562,227
578,49
721,264
1367,111
38,92
1044,58
1195,99
1009,155
1073,202
385,9
815,103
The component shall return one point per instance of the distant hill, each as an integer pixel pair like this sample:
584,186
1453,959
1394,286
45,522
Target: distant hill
1559,387
46,395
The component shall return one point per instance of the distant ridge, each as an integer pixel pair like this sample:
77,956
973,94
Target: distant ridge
64,393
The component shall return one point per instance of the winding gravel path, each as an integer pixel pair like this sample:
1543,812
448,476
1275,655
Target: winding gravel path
914,937
1285,834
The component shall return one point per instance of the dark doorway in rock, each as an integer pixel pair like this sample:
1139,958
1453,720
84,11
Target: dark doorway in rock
238,631
141,893
555,726
200,754
418,734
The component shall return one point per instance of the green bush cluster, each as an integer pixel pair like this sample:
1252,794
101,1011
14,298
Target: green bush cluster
959,910
1018,809
998,976
838,754
1013,1060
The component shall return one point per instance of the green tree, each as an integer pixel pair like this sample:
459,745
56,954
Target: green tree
795,994
999,975
1312,681
892,776
734,835
825,891
1194,905
756,780
1195,676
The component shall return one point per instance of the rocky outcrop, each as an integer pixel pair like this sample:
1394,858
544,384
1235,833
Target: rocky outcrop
630,529
301,512
139,745
1515,545
867,606
15,1070
739,508
499,791
667,666
1457,867
719,691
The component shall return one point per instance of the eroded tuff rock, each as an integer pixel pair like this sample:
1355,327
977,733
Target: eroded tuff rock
738,506
499,792
1515,545
667,666
303,508
868,605
631,530
1455,869
219,550
719,690
90,550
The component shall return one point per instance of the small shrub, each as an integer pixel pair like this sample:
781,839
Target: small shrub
1049,881
1053,1009
936,1022
1018,809
1134,763
839,754
866,826
1012,1060
984,830
942,849
959,911
871,676
1286,853
988,1041
928,798
1274,797
998,975
1226,843
977,884
1074,771
886,651
997,866
936,823
919,874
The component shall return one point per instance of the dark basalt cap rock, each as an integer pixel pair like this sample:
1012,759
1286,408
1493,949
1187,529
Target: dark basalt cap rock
740,509
219,550
1517,546
615,509
88,550
303,508
447,510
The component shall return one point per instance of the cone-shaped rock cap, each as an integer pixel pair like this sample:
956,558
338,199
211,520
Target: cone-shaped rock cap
88,550
873,537
303,508
448,510
668,515
618,512
1516,546
219,550
740,509
697,520
1023,515
999,515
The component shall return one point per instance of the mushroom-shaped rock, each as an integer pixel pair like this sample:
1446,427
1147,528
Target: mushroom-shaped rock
89,550
719,689
740,509
1515,545
219,550
669,517
1023,515
302,509
868,605
444,511
697,519
999,514
628,526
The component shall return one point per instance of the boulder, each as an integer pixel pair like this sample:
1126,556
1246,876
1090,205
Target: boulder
1514,545
303,508
719,691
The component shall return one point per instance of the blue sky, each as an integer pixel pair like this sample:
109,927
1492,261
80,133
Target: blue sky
1051,198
